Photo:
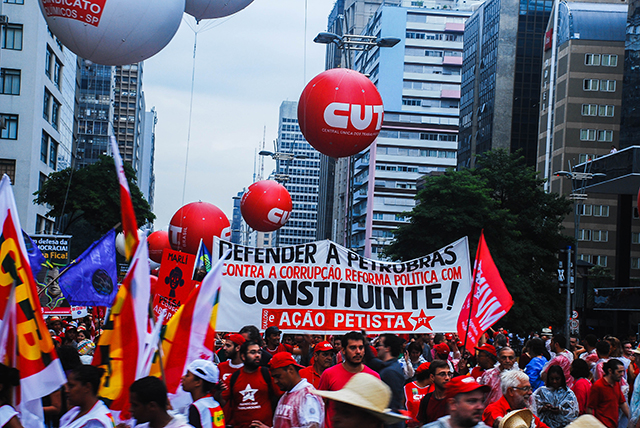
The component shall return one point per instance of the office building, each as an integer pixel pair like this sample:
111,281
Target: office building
37,81
419,81
298,169
499,104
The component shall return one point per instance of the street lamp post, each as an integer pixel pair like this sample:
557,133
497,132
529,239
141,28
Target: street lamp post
578,183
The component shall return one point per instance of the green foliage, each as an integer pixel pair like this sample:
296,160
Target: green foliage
93,196
522,226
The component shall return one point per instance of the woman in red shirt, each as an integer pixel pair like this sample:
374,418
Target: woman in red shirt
582,385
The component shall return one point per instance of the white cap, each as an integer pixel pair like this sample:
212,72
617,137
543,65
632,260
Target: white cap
205,370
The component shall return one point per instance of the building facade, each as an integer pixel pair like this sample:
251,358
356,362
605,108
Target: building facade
499,105
419,81
37,81
300,176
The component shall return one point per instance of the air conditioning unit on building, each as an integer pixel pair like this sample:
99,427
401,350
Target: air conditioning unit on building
4,20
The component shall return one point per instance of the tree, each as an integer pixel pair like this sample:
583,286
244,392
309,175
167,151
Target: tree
522,226
91,194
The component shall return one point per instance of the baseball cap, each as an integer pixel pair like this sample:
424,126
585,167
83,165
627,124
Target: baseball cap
488,348
546,331
448,336
71,325
283,359
423,367
205,370
271,330
236,338
463,385
323,347
441,348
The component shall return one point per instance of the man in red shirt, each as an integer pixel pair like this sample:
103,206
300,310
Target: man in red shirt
233,362
433,405
322,359
251,391
334,378
606,398
414,391
516,390
486,358
272,341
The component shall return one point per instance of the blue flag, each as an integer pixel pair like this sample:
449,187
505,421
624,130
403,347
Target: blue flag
36,259
91,280
203,263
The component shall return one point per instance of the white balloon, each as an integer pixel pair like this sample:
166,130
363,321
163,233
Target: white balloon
208,9
114,32
120,240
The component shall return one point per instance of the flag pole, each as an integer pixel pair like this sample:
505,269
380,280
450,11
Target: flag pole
473,291
155,320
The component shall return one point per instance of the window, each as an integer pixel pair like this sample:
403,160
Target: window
12,37
609,60
9,81
14,1
605,136
585,257
584,157
45,105
608,85
635,238
600,236
589,109
47,62
44,147
43,178
587,134
600,260
635,263
601,210
584,235
55,109
590,84
606,111
57,73
585,210
53,154
592,59
11,130
8,166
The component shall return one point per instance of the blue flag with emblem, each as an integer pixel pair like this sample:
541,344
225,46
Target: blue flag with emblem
91,279
203,263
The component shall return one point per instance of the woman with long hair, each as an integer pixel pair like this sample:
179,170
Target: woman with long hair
555,404
535,348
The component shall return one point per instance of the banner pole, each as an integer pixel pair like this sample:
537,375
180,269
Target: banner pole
473,290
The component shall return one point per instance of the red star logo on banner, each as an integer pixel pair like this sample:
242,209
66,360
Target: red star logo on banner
422,320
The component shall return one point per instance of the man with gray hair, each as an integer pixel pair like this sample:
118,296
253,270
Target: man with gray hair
516,391
491,377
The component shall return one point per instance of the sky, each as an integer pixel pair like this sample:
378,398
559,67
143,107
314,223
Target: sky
245,66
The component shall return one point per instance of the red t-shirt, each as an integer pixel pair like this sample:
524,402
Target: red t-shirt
226,370
333,379
500,408
310,375
414,394
433,410
605,400
250,401
581,389
477,371
281,348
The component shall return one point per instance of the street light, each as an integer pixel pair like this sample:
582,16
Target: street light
354,42
282,155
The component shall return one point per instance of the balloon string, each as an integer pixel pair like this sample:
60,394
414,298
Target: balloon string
304,67
193,79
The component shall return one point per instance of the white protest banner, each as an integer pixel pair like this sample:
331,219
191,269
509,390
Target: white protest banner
322,287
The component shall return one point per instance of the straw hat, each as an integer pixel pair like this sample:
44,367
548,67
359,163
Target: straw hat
517,419
586,421
366,392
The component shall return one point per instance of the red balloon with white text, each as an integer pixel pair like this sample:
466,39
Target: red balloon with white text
340,112
158,241
195,221
266,206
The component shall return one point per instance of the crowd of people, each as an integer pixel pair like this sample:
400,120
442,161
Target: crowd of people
273,380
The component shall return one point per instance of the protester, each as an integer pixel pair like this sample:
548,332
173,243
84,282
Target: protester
199,381
554,403
581,383
516,392
389,348
537,362
363,402
465,401
251,395
233,363
414,391
148,405
9,378
433,405
336,377
298,407
605,398
82,393
603,348
272,341
561,357
486,358
491,378
411,360
323,354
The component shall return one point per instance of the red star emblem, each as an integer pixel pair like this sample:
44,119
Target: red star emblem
422,320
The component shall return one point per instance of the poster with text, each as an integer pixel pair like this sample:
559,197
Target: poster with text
322,287
174,282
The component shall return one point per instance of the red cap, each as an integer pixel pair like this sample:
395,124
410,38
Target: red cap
236,338
462,385
56,339
282,359
488,348
323,347
423,367
442,348
448,336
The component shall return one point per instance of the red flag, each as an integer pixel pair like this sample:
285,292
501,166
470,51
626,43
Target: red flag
491,299
120,348
129,224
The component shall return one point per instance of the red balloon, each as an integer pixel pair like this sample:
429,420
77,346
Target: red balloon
266,206
195,221
340,112
154,281
158,241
